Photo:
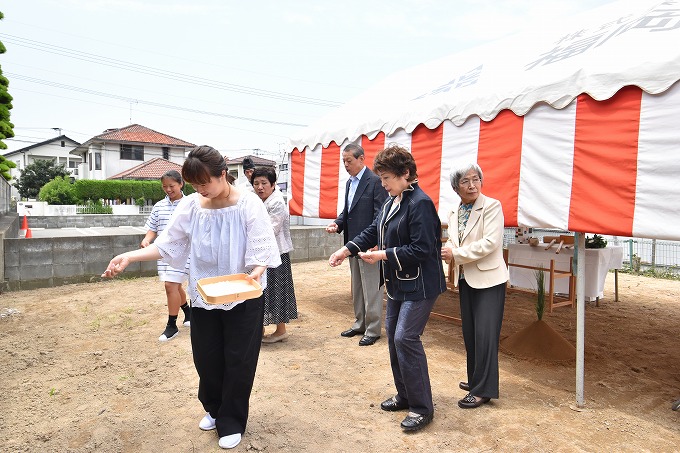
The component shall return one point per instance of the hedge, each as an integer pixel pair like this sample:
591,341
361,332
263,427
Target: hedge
91,189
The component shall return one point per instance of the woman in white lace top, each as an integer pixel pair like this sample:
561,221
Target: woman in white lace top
223,230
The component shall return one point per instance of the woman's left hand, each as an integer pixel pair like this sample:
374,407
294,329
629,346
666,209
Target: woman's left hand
256,273
372,256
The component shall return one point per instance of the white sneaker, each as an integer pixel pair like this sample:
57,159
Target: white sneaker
207,423
169,333
230,441
186,323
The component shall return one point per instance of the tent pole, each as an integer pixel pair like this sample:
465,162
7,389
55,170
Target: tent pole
580,269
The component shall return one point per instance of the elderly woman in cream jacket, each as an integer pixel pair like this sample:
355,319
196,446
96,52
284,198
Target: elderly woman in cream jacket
475,248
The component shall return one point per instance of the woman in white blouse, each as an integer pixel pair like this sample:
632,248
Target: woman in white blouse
280,305
223,231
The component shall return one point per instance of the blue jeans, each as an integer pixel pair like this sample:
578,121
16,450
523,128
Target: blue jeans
405,322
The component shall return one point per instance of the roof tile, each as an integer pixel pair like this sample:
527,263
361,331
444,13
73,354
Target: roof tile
151,169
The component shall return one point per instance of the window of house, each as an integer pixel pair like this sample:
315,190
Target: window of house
283,167
131,152
90,163
166,153
97,161
72,164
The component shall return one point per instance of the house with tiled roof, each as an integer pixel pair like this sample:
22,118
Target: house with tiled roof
57,150
235,165
116,150
150,170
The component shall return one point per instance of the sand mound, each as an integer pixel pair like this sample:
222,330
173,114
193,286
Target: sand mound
539,341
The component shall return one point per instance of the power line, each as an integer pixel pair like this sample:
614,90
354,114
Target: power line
150,113
148,70
126,87
229,68
141,101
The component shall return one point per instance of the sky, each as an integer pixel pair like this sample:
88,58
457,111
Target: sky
240,76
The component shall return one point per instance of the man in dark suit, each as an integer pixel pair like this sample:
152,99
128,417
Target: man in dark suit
364,195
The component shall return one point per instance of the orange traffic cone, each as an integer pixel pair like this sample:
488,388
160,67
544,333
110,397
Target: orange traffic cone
24,224
28,233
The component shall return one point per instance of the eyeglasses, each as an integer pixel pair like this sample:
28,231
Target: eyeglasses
465,182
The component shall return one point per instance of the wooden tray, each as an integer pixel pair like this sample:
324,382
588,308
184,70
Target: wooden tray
228,288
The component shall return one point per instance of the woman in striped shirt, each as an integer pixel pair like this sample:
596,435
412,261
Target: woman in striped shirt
173,278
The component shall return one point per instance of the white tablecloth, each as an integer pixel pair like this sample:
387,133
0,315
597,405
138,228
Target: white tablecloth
598,263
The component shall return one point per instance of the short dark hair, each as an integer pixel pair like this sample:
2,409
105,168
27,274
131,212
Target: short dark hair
356,150
397,160
248,163
202,163
267,172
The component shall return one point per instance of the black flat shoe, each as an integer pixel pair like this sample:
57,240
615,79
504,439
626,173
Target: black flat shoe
464,386
367,340
349,333
392,405
469,402
417,422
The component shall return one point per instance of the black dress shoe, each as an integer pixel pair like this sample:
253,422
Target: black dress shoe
349,333
392,405
367,340
464,386
469,402
414,423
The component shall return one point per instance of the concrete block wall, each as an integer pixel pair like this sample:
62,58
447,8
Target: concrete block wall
48,262
86,221
313,243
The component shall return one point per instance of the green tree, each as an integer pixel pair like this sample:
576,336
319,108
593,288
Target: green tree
36,175
58,191
5,165
6,127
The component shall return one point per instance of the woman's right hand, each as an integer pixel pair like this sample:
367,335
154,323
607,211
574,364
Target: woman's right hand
116,266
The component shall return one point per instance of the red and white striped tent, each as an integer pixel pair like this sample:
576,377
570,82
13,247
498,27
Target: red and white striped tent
576,125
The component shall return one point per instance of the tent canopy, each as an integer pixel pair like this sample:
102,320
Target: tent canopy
574,125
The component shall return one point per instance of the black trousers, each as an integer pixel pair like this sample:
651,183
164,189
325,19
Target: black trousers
481,311
226,346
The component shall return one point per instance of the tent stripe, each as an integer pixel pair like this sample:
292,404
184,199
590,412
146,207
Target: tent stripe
546,168
606,132
500,151
312,188
372,147
330,169
426,148
401,137
658,193
297,182
458,148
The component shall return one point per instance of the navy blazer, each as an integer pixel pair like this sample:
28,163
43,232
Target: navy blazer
368,198
411,238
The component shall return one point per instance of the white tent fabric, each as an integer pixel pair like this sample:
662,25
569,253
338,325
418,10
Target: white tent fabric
576,132
598,53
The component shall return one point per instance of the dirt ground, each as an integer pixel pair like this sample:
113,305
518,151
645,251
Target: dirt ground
82,371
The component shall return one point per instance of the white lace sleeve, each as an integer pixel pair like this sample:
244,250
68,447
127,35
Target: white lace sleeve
174,242
261,248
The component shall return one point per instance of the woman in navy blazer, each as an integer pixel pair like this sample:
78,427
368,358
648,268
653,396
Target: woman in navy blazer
407,233
475,248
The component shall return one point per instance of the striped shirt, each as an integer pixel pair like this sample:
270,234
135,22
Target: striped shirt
157,221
